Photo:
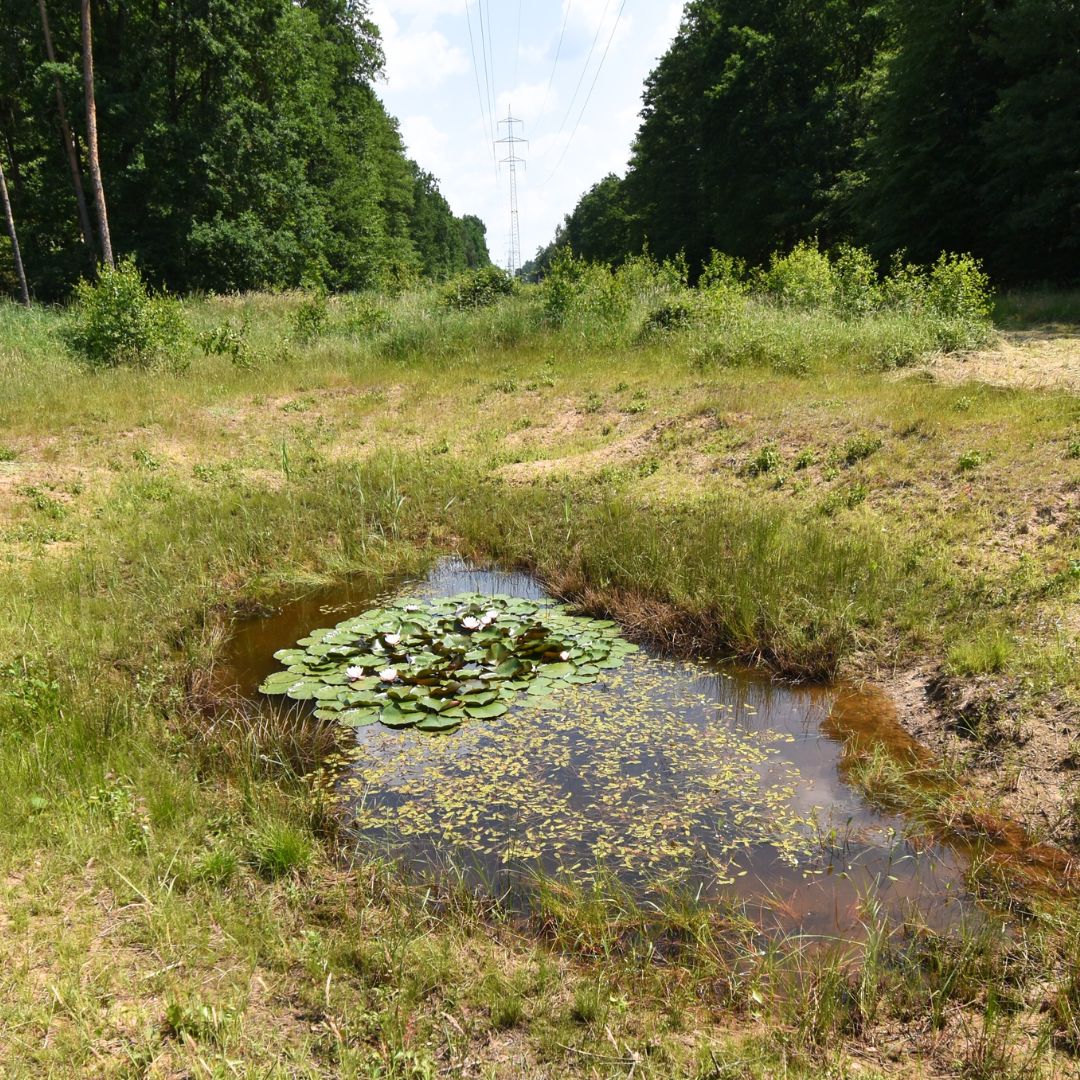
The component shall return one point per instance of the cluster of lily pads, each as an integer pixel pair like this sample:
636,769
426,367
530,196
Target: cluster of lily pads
432,665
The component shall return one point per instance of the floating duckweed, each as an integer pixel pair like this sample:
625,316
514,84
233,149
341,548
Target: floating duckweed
617,775
433,665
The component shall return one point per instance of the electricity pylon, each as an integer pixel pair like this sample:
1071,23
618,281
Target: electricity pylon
512,142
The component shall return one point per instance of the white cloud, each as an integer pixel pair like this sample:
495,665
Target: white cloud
417,55
432,86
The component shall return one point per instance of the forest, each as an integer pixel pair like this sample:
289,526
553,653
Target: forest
242,146
939,125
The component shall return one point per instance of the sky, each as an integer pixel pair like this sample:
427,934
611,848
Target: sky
437,84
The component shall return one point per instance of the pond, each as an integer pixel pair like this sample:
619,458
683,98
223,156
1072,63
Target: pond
663,773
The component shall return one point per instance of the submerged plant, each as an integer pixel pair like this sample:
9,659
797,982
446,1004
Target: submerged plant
434,665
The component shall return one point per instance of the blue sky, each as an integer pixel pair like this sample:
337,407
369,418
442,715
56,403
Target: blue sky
430,85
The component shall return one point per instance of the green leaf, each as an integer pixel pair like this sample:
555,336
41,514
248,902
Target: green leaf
393,717
438,723
556,671
357,718
486,712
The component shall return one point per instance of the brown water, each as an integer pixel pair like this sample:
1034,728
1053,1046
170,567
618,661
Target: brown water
714,781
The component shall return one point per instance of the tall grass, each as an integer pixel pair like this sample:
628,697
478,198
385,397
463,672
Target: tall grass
125,778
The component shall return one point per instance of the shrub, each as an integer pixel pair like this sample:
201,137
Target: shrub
723,272
667,317
478,288
957,288
230,340
856,288
802,279
309,319
560,285
116,321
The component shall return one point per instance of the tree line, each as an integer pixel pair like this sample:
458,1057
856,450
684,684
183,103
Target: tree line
916,125
240,144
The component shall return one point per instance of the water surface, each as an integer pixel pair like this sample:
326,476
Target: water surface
666,773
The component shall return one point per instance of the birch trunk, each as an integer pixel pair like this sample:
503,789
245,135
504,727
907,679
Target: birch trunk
24,291
92,139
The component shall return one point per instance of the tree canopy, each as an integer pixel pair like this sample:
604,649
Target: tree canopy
939,125
242,146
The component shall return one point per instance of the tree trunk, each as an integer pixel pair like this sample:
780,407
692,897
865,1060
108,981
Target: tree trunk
24,291
69,141
92,139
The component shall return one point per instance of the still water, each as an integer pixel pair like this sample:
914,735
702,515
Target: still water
666,774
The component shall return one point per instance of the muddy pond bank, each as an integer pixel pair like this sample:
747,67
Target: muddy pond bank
667,774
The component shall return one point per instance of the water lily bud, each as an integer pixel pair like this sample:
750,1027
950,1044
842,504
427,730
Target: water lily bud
564,655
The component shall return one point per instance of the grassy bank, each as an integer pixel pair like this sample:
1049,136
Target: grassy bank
722,471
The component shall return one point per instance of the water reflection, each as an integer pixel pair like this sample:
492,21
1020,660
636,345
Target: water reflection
719,782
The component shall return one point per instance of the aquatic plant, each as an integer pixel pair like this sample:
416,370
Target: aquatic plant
433,665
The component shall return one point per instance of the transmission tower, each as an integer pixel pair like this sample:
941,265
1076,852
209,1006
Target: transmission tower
512,142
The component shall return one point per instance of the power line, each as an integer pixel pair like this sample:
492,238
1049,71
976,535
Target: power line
485,48
485,117
588,97
517,48
558,53
584,70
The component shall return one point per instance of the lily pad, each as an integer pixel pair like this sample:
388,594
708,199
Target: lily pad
433,664
487,712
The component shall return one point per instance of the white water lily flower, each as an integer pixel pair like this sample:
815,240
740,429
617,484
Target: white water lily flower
470,623
564,655
388,674
392,639
490,616
354,673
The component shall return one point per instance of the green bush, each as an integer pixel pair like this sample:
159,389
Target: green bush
117,321
310,318
725,272
478,288
957,288
231,340
668,317
856,289
803,278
